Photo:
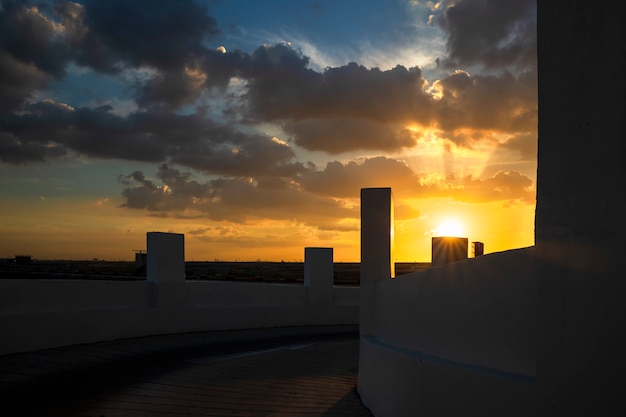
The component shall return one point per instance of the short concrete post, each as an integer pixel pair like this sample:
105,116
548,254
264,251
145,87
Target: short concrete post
318,275
376,250
166,268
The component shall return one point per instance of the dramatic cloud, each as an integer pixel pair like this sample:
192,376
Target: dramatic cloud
345,180
339,180
236,200
31,53
339,110
492,33
503,186
157,33
31,37
291,91
193,140
524,144
343,135
15,151
505,102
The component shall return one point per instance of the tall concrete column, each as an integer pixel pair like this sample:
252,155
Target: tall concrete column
579,223
318,275
166,268
377,262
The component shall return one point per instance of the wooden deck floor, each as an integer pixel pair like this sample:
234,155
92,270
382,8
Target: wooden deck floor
308,371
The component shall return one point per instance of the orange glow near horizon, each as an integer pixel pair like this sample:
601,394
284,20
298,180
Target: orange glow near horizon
103,231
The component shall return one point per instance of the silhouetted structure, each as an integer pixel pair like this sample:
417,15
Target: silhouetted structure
478,248
579,221
23,260
447,249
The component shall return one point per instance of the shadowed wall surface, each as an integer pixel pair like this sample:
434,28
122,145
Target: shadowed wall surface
579,224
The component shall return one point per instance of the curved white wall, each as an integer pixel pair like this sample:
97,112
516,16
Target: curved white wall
453,339
480,312
37,314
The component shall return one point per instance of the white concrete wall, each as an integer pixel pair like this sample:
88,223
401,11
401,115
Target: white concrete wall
41,295
458,338
38,314
221,293
479,312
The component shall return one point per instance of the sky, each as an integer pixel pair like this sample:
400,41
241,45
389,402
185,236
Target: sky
252,126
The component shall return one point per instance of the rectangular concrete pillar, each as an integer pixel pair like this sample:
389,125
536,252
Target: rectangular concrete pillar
166,268
377,263
581,200
318,275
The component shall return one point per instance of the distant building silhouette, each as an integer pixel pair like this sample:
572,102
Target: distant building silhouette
448,249
478,248
23,260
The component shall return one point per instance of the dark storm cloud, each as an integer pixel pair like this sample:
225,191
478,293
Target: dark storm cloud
159,33
88,47
237,200
506,102
503,186
493,33
339,180
240,155
354,108
31,53
109,36
342,135
14,151
178,192
278,78
91,132
168,89
345,180
524,144
18,81
192,140
280,86
30,37
166,36
174,88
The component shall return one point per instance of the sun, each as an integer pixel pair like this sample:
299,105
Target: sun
449,228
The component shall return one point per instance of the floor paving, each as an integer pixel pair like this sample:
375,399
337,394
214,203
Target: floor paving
293,371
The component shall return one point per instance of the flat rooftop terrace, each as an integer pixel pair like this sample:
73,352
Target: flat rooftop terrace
290,371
